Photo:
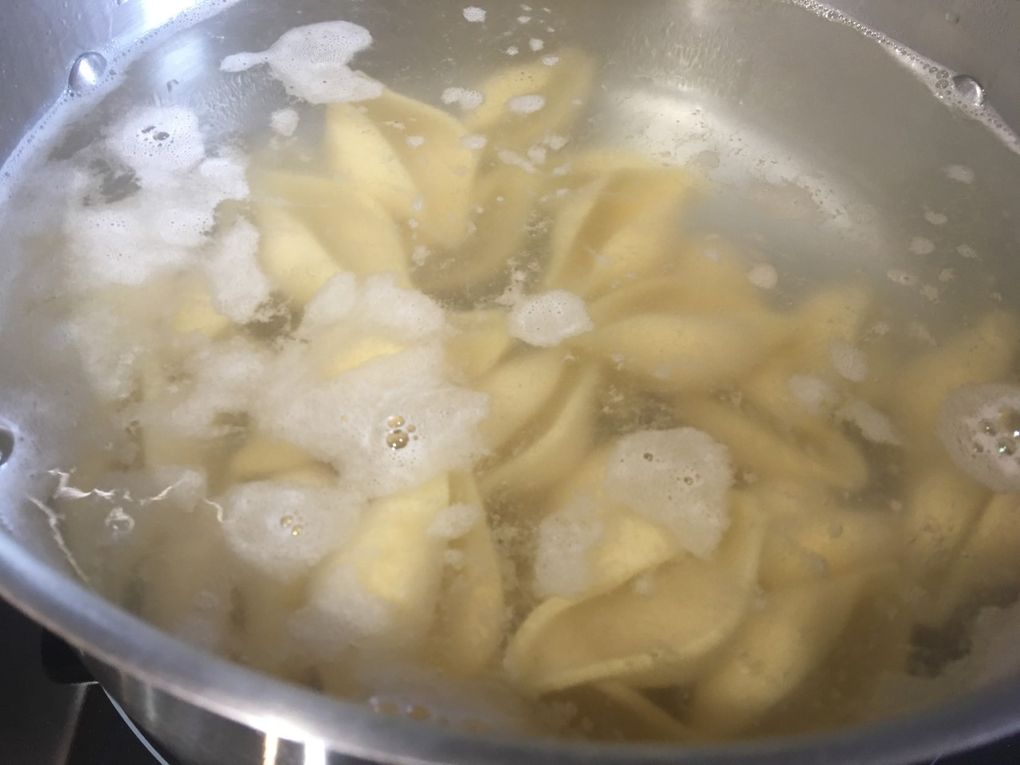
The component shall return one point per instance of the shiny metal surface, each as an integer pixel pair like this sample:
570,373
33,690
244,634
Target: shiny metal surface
209,711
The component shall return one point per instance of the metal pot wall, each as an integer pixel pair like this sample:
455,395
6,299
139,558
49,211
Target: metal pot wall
802,71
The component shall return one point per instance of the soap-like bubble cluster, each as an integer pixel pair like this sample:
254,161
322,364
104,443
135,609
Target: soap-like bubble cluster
980,429
547,319
313,62
677,478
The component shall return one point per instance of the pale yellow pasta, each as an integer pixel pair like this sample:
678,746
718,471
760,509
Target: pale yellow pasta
985,352
263,457
353,233
512,543
656,637
777,647
627,544
518,390
481,340
828,457
615,229
697,284
502,203
817,542
196,312
986,564
410,157
292,256
941,508
472,609
563,88
556,449
384,583
681,353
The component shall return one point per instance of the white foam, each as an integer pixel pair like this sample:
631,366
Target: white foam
284,529
528,104
160,227
284,122
536,44
935,218
550,60
849,361
677,478
158,141
979,426
239,286
455,521
474,15
354,438
763,276
546,319
313,62
224,378
872,424
513,159
814,393
474,141
111,365
960,174
465,98
903,278
920,245
562,550
334,302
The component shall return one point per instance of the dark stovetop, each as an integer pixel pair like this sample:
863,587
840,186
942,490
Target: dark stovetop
43,722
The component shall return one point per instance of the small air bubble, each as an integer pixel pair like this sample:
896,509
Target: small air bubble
395,421
398,439
86,72
286,521
649,456
969,89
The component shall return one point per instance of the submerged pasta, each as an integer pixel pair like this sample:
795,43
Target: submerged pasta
464,397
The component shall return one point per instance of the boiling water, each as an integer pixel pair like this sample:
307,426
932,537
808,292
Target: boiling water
533,388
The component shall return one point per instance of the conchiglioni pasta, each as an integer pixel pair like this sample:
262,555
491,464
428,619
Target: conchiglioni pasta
479,423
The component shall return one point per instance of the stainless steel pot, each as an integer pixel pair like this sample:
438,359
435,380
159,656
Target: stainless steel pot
779,76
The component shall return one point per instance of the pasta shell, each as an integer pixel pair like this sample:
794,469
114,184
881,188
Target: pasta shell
986,567
384,583
985,352
673,353
557,448
941,507
774,652
589,545
472,607
502,202
292,256
518,390
419,170
481,340
564,89
616,229
817,542
826,457
658,638
263,457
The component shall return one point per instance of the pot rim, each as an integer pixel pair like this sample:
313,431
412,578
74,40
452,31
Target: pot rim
115,637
